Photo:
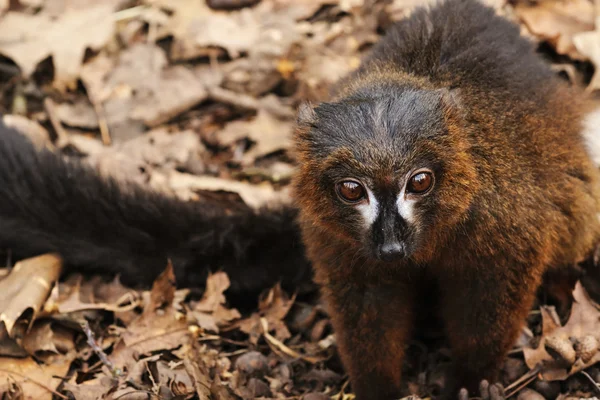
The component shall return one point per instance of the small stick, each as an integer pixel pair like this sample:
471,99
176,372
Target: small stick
520,383
28,379
63,137
596,384
282,347
98,350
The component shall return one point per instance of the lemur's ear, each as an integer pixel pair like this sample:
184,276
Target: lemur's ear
306,115
450,98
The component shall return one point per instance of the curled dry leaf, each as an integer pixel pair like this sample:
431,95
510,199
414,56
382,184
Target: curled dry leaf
274,305
588,44
565,350
27,287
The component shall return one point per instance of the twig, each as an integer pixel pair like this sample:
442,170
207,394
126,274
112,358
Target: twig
282,347
102,122
101,115
523,381
98,350
129,13
596,384
63,137
9,372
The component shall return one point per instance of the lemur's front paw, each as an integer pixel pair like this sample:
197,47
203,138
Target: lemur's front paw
486,392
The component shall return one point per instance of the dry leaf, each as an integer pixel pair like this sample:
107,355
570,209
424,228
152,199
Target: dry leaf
172,380
195,27
588,44
254,196
28,39
558,21
27,287
210,312
269,133
273,307
95,389
160,327
140,89
584,321
80,114
40,338
72,303
36,133
36,380
163,290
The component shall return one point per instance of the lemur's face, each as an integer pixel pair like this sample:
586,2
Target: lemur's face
387,174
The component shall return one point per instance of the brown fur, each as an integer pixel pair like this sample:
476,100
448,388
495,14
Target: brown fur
518,195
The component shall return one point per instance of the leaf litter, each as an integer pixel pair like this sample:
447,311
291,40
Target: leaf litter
197,99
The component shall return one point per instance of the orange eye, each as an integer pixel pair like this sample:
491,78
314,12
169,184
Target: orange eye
420,182
351,191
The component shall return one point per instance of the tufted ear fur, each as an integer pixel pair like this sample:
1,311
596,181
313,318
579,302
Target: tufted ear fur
450,98
305,121
306,115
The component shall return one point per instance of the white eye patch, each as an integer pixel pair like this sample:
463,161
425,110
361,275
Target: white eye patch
370,209
591,135
405,207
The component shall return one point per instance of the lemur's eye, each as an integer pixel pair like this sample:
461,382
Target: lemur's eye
420,182
350,191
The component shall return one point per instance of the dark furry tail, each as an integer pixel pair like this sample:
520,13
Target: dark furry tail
49,204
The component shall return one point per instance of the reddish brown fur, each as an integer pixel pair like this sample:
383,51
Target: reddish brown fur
520,198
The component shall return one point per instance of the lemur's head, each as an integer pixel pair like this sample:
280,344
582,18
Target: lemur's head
386,169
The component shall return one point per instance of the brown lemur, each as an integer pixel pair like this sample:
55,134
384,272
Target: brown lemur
450,165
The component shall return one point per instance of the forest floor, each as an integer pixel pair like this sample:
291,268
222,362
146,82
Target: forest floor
194,96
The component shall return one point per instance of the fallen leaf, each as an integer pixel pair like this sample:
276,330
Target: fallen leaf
36,133
139,89
268,132
163,290
584,321
37,381
28,39
72,303
160,327
254,196
80,114
274,305
210,312
39,338
95,389
172,379
558,21
588,44
27,287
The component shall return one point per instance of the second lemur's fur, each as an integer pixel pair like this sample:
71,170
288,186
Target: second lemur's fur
50,204
450,167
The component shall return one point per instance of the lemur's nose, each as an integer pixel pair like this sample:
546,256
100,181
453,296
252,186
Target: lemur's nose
391,251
